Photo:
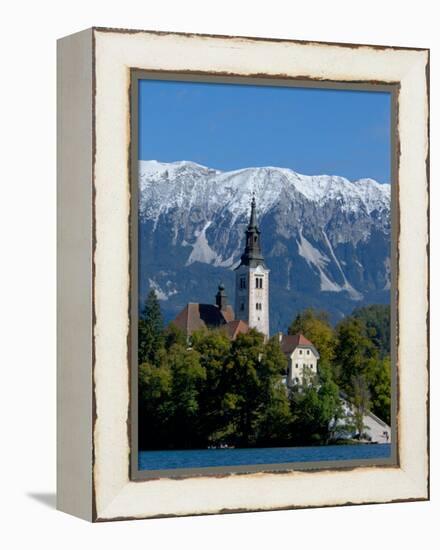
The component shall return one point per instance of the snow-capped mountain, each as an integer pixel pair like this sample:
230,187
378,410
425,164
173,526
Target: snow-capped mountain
325,239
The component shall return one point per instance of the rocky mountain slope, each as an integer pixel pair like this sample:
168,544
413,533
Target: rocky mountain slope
325,239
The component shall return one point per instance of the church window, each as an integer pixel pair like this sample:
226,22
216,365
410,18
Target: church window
242,282
300,351
242,306
258,306
258,282
308,352
296,365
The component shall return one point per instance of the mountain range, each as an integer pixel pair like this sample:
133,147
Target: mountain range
325,239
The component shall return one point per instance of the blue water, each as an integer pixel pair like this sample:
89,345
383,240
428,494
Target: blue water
203,458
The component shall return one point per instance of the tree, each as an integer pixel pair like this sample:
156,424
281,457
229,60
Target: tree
361,402
242,375
155,405
353,350
213,347
316,326
174,335
187,376
376,319
151,337
274,416
315,407
378,376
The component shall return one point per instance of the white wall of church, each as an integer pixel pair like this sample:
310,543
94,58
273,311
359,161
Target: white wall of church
252,301
241,293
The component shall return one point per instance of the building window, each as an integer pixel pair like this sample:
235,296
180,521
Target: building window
242,306
308,352
242,282
258,306
300,351
296,365
258,282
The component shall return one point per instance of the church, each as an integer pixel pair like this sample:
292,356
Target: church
251,308
251,294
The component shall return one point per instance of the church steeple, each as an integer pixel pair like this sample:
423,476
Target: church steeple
253,220
252,280
252,255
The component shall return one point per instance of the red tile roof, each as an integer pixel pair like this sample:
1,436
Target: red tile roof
290,342
234,328
198,316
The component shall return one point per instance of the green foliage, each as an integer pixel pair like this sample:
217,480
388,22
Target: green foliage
315,406
361,401
155,405
151,337
211,391
353,350
376,319
242,373
274,416
378,377
315,326
188,376
214,419
174,335
360,363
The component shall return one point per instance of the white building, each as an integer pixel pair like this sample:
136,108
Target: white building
302,357
252,281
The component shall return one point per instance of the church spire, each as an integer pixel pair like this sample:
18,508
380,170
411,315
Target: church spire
253,218
252,255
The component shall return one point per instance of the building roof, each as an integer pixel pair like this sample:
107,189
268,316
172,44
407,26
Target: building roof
290,342
198,316
234,328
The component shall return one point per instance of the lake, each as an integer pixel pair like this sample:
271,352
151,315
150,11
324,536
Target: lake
203,458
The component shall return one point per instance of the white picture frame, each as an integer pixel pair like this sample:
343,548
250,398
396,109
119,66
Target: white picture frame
94,386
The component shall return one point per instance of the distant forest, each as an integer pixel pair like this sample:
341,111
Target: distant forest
211,391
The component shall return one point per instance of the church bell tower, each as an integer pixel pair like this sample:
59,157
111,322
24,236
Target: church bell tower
252,280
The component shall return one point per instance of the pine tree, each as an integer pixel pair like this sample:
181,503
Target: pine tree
151,334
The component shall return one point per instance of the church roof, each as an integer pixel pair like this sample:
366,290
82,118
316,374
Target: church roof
289,342
234,328
198,316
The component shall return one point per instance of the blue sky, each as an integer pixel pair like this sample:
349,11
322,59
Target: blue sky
229,126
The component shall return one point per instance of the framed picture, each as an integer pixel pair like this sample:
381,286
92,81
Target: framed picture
242,276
